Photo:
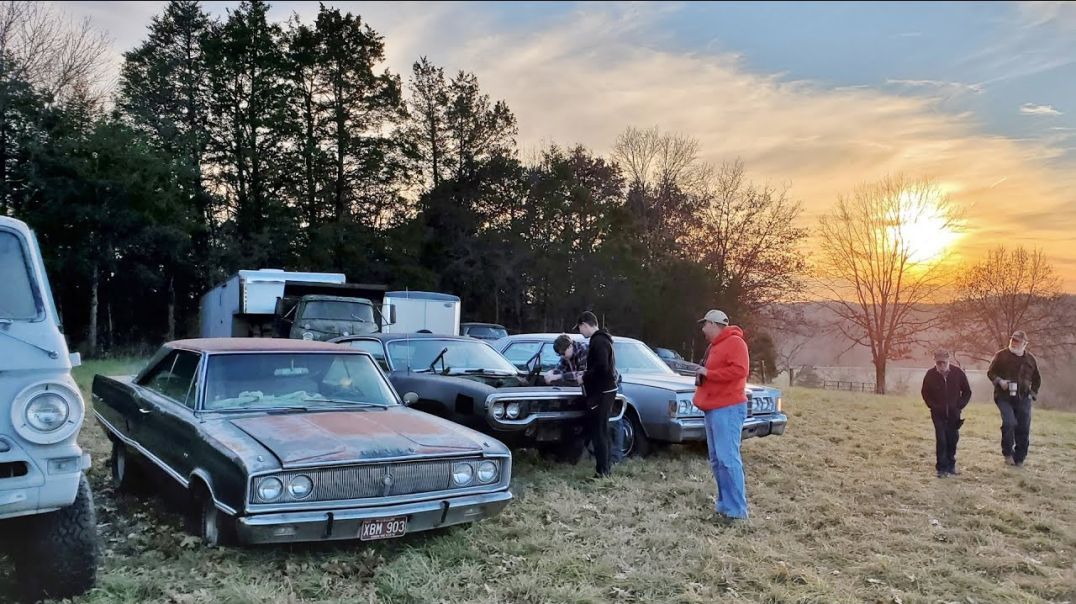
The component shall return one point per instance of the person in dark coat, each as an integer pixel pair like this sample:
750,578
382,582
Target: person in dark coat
599,389
946,392
1015,375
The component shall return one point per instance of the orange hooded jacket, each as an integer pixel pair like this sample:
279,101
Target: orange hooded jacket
728,365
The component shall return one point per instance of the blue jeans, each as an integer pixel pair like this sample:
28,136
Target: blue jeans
723,429
616,430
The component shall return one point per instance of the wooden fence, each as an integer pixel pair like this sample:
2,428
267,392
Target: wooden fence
848,386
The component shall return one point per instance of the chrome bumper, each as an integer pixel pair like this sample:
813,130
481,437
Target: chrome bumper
291,527
691,429
765,425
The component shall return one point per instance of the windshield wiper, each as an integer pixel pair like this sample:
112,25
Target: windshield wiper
485,371
52,353
346,403
440,356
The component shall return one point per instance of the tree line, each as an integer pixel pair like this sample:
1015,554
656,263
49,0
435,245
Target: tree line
240,142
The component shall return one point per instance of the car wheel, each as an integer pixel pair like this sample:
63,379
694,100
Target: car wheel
126,475
633,433
58,557
214,527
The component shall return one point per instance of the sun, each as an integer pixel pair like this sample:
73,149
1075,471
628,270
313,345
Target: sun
925,228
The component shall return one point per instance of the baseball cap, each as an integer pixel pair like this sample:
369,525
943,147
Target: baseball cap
941,355
1019,335
715,316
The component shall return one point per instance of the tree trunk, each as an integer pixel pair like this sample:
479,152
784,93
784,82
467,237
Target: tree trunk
791,377
171,335
91,332
879,376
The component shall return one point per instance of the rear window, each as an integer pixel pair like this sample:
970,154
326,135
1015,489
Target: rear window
19,299
486,332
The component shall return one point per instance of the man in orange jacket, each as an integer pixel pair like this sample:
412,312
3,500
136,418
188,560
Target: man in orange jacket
721,394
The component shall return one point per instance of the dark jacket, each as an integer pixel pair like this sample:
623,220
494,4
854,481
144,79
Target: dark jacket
1024,370
946,394
601,364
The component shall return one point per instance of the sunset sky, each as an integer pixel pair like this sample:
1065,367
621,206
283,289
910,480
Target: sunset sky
818,97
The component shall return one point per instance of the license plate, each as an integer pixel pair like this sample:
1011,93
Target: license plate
383,528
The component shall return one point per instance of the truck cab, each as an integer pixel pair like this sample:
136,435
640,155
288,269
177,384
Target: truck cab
46,507
322,318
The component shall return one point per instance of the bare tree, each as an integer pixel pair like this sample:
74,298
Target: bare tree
43,47
747,241
879,265
1005,291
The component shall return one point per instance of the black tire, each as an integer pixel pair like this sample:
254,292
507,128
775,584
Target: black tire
127,476
58,557
214,527
636,442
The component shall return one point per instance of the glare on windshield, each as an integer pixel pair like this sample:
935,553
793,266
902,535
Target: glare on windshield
461,355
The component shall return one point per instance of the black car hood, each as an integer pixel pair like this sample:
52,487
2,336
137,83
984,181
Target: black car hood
679,383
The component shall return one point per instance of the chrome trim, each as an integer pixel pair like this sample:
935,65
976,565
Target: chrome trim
547,415
165,467
397,459
502,483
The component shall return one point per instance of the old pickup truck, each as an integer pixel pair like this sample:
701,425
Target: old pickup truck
278,440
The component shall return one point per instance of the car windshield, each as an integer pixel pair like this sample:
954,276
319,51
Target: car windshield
338,310
486,332
633,357
287,380
459,355
17,298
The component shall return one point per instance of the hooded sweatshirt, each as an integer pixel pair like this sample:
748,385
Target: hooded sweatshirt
727,364
600,374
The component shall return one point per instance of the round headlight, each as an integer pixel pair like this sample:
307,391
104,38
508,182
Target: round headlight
487,471
300,486
270,489
512,410
462,474
47,412
498,410
307,335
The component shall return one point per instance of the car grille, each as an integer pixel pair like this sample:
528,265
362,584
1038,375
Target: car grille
369,481
763,404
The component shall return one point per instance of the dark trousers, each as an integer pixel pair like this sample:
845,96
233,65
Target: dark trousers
1015,425
946,435
599,408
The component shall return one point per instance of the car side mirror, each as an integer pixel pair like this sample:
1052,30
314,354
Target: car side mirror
388,314
410,398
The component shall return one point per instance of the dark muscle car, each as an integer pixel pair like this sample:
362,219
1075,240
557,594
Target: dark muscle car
467,381
286,440
677,362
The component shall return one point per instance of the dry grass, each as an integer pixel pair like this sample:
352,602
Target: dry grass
846,509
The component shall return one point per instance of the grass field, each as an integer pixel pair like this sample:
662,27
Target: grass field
845,508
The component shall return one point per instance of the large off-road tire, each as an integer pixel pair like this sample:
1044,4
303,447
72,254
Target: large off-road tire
127,476
58,558
214,527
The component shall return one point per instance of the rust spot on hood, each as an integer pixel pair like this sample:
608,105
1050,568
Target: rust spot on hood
356,436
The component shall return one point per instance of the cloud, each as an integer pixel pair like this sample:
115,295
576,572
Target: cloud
938,85
1033,109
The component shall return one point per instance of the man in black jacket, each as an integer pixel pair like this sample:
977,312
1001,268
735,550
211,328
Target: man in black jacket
1015,375
946,392
599,388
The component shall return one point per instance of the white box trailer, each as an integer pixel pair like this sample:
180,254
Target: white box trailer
247,303
417,311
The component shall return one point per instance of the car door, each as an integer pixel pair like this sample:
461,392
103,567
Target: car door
167,399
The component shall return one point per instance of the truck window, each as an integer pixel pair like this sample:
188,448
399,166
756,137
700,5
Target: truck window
337,310
19,299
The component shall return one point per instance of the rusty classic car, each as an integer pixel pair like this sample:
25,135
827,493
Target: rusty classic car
279,440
